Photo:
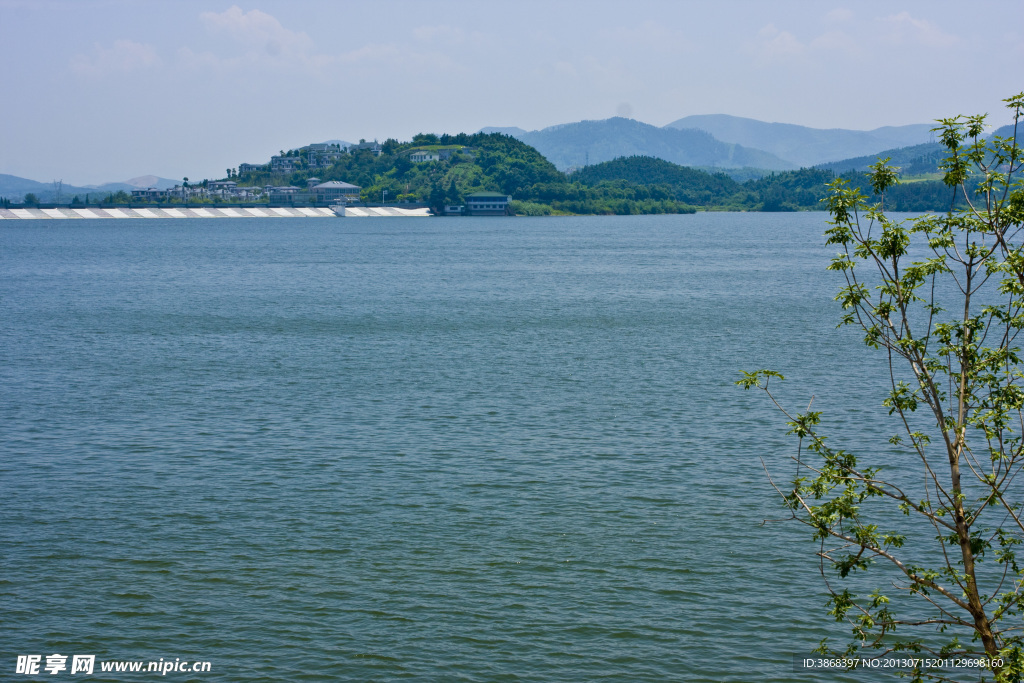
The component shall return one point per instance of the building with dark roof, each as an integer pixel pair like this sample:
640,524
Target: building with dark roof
487,204
334,190
284,164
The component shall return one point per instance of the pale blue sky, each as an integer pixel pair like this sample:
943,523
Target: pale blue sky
105,90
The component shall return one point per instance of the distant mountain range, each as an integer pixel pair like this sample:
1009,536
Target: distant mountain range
573,145
805,146
141,182
15,188
714,140
912,160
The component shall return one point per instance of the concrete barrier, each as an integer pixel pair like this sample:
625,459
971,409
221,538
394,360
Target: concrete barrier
61,213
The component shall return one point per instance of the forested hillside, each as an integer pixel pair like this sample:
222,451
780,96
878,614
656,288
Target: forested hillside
915,160
475,163
783,191
632,185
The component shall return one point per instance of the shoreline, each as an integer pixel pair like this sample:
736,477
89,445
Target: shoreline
92,212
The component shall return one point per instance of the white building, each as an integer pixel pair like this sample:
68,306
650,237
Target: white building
422,156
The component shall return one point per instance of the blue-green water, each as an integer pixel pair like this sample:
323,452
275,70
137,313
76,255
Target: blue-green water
429,450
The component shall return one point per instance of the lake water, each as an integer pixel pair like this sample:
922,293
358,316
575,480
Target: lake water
428,450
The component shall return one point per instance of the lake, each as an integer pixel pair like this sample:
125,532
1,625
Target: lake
468,449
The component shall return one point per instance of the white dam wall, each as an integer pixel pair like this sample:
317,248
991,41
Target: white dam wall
195,212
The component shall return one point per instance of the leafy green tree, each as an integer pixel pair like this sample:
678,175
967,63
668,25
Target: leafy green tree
424,139
437,198
119,197
453,196
31,199
926,561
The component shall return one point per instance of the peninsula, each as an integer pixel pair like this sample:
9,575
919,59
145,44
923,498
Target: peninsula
491,174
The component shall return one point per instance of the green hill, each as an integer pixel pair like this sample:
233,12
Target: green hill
681,182
800,190
777,191
496,162
915,160
474,163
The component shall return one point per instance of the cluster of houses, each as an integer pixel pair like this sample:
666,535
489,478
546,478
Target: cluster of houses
318,155
313,156
329,192
223,190
324,155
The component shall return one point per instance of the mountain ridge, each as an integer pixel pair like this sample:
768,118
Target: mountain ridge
573,145
803,145
15,187
911,160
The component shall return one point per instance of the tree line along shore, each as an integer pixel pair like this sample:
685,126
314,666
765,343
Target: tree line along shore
441,170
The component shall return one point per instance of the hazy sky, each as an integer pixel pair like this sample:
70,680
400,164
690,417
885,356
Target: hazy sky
105,90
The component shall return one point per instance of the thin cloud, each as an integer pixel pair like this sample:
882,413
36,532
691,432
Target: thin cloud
650,35
565,69
903,28
261,40
123,56
431,34
836,41
775,44
258,31
839,15
373,53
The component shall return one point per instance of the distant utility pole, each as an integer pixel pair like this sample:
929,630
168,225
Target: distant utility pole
58,187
